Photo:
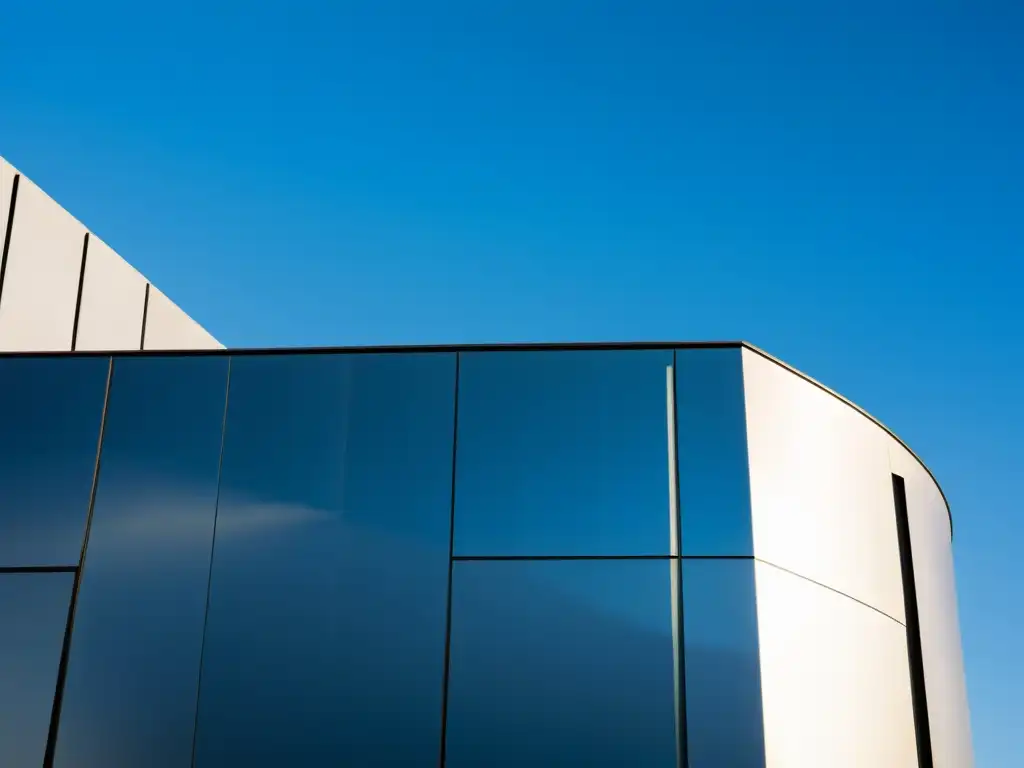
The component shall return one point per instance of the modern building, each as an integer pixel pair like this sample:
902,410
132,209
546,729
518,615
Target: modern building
670,555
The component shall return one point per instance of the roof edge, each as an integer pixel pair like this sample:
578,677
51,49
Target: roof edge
862,412
508,347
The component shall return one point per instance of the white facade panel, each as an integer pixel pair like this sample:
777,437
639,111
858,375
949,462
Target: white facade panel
40,289
167,327
7,174
941,649
820,487
113,295
37,306
834,678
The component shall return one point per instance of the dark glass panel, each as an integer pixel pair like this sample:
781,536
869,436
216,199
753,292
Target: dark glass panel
52,408
33,615
326,633
714,478
130,695
723,681
563,453
562,663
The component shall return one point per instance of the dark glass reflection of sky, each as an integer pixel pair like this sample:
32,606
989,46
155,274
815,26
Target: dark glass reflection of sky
714,480
48,437
133,671
563,453
723,683
33,615
326,633
561,663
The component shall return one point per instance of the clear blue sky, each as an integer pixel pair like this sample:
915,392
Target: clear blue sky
841,183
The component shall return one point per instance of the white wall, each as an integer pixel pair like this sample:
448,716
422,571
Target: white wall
820,487
941,649
7,173
167,327
822,508
40,291
834,678
113,295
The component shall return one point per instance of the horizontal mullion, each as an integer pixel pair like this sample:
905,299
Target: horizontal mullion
38,568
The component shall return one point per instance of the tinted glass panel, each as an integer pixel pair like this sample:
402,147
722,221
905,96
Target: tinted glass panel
326,633
33,614
714,479
49,431
561,663
130,694
563,453
723,682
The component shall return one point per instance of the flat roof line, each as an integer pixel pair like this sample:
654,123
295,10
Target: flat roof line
500,347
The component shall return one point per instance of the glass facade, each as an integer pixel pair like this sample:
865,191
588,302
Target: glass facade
378,559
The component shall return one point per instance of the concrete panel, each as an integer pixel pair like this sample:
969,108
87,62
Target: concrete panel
37,306
113,294
941,649
167,327
820,487
834,677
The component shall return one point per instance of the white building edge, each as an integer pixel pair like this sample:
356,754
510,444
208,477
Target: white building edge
831,584
62,288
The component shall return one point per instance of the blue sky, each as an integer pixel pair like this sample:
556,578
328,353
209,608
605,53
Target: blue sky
840,183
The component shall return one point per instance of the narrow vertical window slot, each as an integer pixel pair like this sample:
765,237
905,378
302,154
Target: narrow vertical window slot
918,691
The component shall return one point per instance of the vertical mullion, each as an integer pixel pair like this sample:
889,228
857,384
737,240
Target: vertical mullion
145,313
451,564
919,695
213,546
62,669
78,298
676,566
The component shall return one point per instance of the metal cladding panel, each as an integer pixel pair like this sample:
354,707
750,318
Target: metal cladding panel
33,615
167,327
820,486
834,678
37,306
113,294
941,650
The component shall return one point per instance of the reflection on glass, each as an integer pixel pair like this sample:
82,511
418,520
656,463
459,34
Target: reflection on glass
130,695
52,407
326,631
714,479
561,663
562,453
724,725
33,615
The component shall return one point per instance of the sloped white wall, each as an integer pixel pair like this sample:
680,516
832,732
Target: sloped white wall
167,327
113,295
40,291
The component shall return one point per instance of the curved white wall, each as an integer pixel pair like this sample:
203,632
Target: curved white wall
835,684
831,619
941,649
820,487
